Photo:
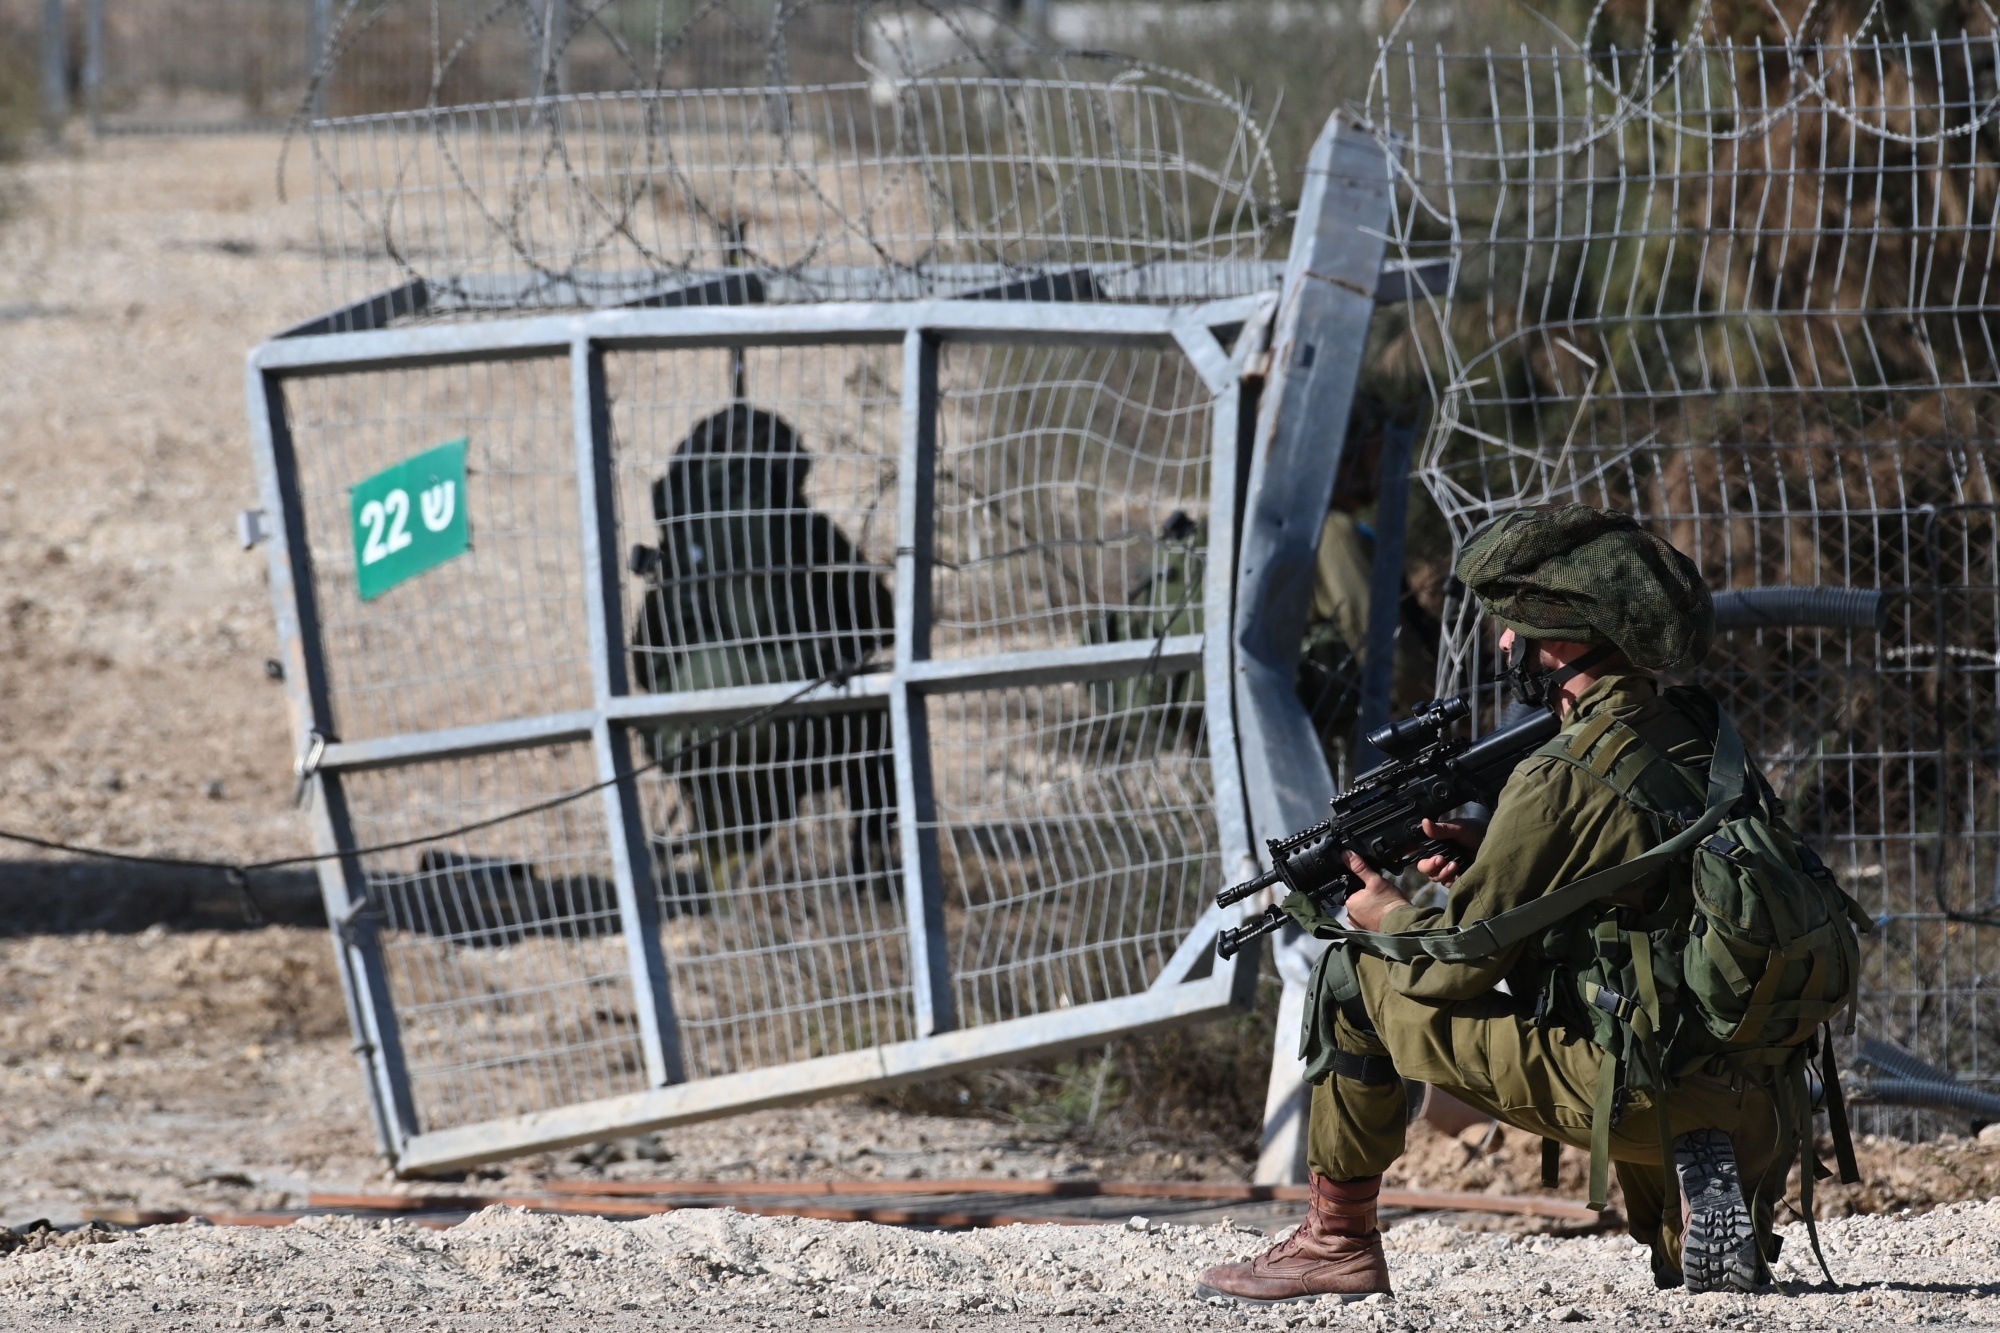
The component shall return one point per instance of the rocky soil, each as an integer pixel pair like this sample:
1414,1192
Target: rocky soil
134,278
728,1270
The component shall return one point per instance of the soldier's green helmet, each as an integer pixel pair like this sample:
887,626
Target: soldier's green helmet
1590,576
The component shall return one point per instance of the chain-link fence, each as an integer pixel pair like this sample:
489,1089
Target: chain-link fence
1748,293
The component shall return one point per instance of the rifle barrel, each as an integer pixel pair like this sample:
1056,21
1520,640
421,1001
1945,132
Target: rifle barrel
1237,893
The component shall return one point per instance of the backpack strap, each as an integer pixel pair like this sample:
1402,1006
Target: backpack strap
1795,1102
1836,1110
1727,780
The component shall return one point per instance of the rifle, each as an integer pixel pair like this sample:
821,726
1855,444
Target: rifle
1429,773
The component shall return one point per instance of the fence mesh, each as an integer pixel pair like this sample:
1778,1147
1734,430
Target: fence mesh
502,950
1746,292
756,492
512,608
1070,487
776,871
757,495
1080,847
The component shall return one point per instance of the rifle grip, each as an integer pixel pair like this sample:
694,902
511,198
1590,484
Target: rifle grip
1457,853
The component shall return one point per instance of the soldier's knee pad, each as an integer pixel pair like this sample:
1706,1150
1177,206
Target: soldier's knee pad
1336,995
1342,984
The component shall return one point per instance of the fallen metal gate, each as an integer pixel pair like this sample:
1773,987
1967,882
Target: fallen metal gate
1064,803
903,640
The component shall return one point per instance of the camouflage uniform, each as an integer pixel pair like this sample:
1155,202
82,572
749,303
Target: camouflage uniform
1446,1024
1582,576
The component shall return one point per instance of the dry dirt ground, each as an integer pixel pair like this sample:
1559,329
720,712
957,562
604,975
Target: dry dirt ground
134,278
686,1270
209,1069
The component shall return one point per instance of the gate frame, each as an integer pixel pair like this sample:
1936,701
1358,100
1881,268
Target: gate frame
920,327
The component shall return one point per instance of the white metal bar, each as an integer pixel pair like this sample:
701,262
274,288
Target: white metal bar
787,1085
909,723
1232,821
611,748
726,326
1106,661
1051,666
458,742
1204,352
343,884
733,701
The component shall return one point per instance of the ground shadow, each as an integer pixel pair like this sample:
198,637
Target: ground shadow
69,897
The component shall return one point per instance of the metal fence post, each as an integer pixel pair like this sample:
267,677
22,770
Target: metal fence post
631,862
319,32
93,63
909,721
551,58
343,881
1331,278
1224,377
55,70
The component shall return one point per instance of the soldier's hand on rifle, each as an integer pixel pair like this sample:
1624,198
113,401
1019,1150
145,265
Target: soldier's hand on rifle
1376,897
1446,869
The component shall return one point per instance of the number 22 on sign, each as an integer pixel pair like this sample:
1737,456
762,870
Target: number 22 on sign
410,518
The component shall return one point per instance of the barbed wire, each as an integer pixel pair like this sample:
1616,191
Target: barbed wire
971,140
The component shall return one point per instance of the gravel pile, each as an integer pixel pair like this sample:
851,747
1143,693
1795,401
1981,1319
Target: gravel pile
709,1269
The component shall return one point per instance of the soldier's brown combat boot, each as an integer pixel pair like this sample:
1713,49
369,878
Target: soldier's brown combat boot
1337,1251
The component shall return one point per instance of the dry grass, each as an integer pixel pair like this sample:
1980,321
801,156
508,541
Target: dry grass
1190,1090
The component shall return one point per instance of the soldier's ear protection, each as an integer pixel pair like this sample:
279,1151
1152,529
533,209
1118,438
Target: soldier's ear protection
1536,686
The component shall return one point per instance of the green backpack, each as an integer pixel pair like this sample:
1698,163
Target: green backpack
1753,952
1741,967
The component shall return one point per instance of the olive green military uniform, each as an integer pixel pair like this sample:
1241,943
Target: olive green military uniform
1568,822
1336,642
1446,1024
1343,567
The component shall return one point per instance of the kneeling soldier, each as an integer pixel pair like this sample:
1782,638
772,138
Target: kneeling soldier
1622,1027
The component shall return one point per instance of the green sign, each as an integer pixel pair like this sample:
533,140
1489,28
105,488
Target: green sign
410,518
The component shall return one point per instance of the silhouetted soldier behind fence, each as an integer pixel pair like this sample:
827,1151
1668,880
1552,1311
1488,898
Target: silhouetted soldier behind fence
750,585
